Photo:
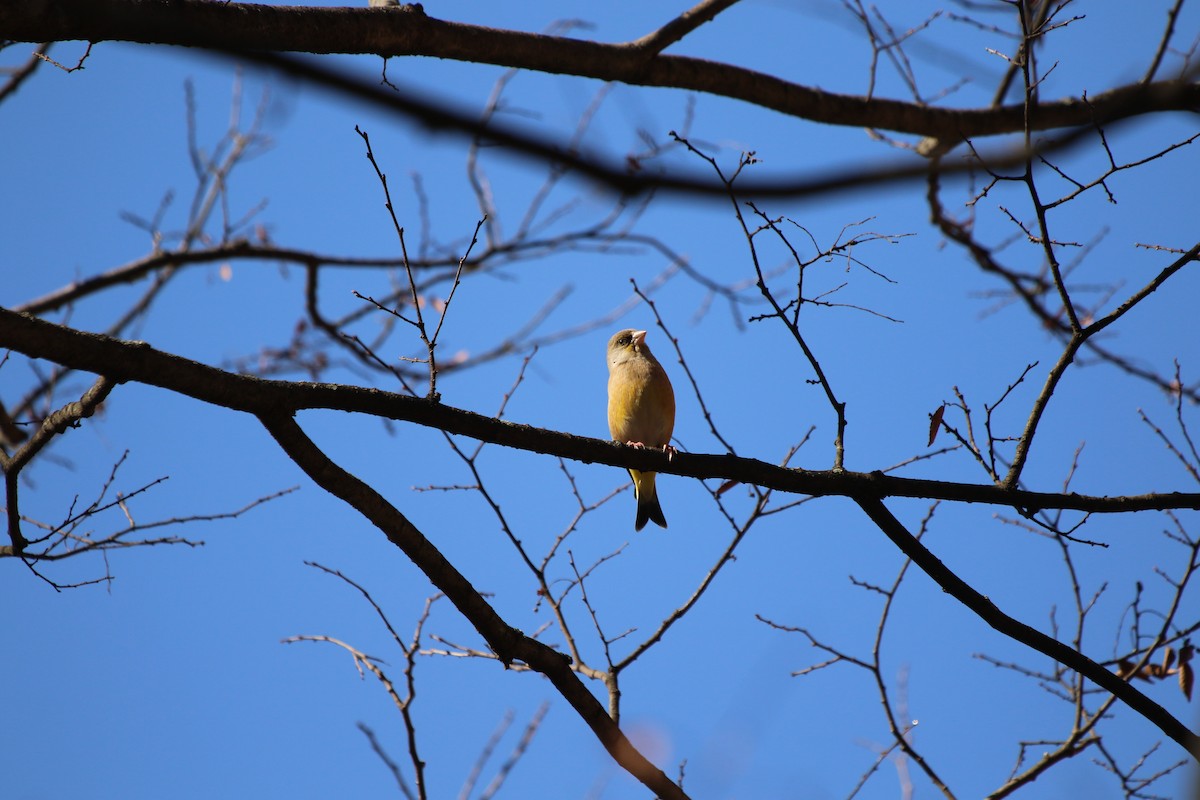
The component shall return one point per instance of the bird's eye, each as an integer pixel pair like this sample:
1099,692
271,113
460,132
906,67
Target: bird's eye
624,340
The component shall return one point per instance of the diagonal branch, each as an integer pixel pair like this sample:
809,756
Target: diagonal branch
655,42
66,417
508,643
1079,336
986,610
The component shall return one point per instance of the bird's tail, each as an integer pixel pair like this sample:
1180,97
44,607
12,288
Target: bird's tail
648,508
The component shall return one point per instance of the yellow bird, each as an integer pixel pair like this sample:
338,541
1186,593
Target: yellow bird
641,411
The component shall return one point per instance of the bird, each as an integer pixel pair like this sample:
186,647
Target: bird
641,412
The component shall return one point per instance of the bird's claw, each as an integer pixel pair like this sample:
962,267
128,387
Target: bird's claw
666,448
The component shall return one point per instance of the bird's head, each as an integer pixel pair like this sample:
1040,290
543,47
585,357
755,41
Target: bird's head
625,345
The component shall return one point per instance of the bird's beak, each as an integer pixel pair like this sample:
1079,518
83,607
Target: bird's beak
638,338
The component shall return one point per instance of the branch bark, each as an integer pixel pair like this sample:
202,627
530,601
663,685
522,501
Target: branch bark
986,610
410,32
137,361
508,643
123,361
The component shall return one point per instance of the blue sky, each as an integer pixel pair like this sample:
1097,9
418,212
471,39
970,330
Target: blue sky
173,681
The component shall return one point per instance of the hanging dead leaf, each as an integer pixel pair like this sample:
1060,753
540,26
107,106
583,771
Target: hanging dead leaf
935,423
1186,678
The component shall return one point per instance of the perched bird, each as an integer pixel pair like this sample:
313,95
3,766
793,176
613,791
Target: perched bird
641,411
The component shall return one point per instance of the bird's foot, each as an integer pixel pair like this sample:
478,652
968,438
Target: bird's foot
666,448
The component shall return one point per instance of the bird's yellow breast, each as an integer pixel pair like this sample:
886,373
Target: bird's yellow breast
641,404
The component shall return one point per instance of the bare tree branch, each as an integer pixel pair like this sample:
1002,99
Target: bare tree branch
997,619
137,361
253,27
508,643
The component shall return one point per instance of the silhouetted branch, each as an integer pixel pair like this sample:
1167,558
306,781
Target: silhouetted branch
137,361
508,643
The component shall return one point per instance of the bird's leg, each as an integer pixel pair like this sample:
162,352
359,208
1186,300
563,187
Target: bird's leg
669,450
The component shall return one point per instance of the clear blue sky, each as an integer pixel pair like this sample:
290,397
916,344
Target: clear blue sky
173,681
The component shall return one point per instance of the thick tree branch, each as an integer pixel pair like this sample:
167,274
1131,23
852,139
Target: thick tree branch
410,32
986,610
507,642
139,362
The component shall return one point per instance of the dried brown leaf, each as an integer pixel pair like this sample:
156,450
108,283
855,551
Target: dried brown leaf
935,423
1168,659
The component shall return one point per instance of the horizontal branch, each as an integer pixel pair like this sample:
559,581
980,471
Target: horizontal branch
240,248
408,31
139,362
